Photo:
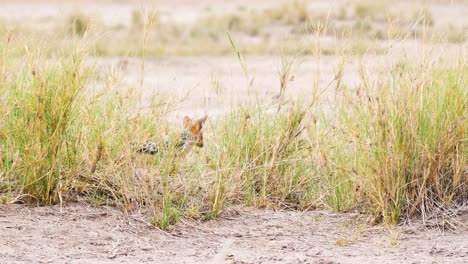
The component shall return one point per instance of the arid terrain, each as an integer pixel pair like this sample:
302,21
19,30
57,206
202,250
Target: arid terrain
216,84
80,234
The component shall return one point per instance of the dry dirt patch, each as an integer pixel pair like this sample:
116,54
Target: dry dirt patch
80,234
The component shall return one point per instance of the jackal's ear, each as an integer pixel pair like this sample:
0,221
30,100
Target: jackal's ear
202,120
187,121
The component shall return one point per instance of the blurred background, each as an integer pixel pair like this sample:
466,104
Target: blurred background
212,55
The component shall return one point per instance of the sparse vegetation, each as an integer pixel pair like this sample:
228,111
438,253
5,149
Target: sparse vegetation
405,140
394,146
252,28
78,24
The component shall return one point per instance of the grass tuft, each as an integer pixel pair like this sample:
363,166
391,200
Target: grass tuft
78,24
395,146
406,138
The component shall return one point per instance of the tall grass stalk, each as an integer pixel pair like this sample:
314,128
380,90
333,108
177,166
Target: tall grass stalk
395,146
38,113
407,136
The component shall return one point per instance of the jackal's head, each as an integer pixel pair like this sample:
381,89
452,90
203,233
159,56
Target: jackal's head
194,130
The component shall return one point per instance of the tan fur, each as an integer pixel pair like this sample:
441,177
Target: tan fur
187,121
195,129
192,135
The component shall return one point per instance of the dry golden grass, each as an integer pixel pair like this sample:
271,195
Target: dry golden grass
394,148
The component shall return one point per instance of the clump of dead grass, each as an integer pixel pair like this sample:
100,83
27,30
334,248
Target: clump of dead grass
78,24
392,147
405,138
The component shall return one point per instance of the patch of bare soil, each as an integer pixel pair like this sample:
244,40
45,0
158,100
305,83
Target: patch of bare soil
80,234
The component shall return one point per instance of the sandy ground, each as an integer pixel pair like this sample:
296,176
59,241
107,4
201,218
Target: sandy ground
79,234
215,85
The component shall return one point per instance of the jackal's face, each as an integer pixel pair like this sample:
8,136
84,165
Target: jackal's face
194,130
